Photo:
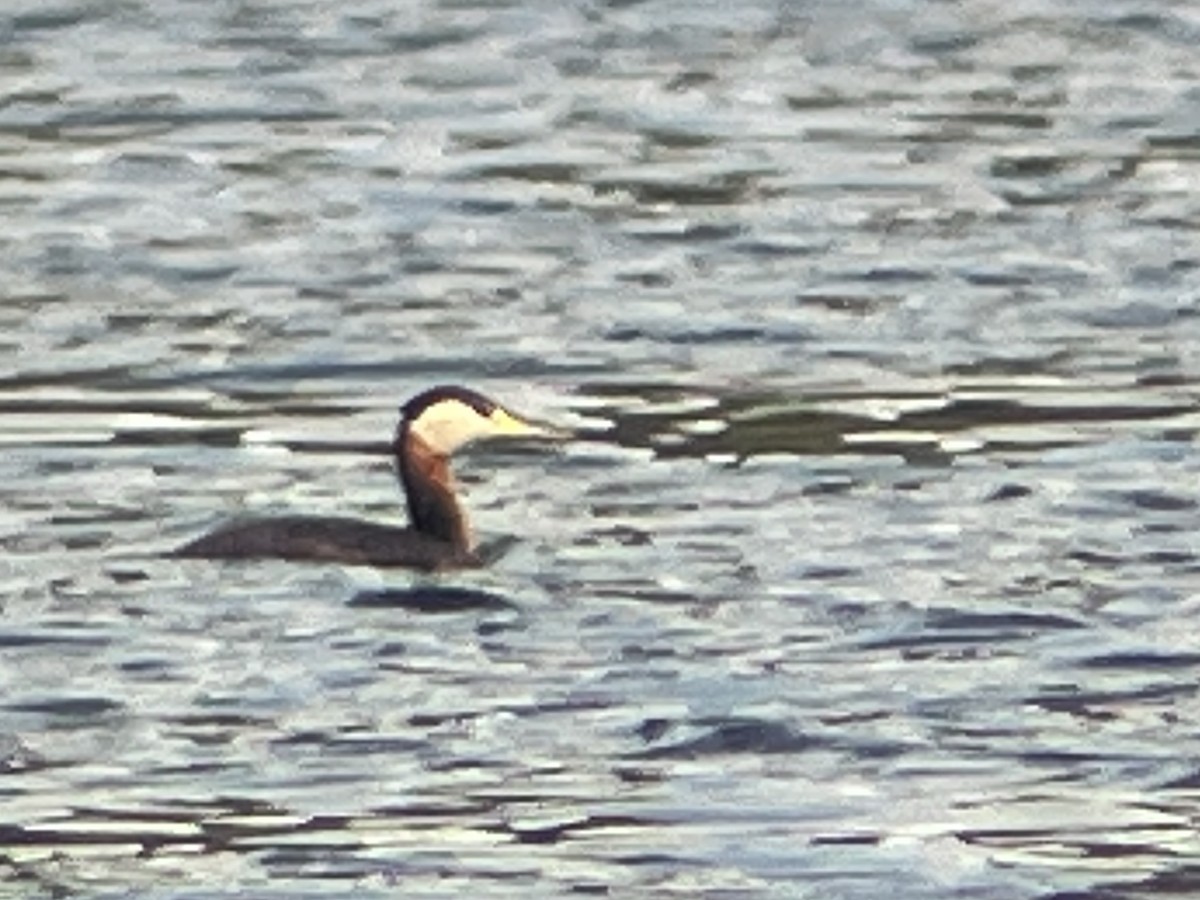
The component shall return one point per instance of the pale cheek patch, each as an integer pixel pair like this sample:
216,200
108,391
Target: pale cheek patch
446,429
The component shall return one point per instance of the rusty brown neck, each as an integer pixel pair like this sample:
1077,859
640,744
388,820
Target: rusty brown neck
433,509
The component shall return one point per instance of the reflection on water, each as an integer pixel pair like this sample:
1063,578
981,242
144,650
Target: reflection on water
872,572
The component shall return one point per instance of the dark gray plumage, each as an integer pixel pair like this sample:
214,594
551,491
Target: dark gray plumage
433,425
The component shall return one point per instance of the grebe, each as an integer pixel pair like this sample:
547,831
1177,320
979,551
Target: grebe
433,425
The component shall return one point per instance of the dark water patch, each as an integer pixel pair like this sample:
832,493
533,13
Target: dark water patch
993,118
870,750
1007,492
851,304
284,164
1028,621
1127,165
731,334
724,189
430,37
961,414
87,540
847,840
1097,559
451,808
1012,837
1169,557
1113,561
125,575
303,739
1037,586
678,138
1043,195
220,833
1085,844
1005,369
191,436
254,32
734,736
115,125
164,814
1189,782
548,172
623,535
101,377
1077,765
984,274
481,207
763,423
431,599
1032,165
647,280
828,487
217,727
110,515
484,141
891,275
373,744
22,175
53,19
1164,380
680,81
198,770
945,43
1181,146
1176,879
1159,501
46,638
790,430
1148,661
765,248
651,730
200,274
949,627
1151,23
828,572
1092,704
951,635
1136,315
636,653
643,593
823,100
156,668
68,707
948,645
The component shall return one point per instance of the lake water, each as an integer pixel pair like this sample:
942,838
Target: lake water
873,573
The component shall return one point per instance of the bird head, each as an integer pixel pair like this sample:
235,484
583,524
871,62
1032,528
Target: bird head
447,418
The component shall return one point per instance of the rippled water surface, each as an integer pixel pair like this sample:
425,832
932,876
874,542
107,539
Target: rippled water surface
873,573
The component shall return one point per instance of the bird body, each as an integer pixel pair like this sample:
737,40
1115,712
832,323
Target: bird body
327,539
433,425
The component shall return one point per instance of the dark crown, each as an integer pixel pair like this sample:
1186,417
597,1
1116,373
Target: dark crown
434,395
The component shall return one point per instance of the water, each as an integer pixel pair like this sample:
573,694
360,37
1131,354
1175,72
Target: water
873,575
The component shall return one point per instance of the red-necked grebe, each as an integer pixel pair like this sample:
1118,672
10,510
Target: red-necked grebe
433,425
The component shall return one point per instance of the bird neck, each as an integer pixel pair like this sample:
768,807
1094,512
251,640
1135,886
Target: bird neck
433,508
